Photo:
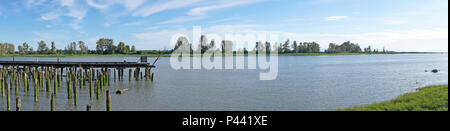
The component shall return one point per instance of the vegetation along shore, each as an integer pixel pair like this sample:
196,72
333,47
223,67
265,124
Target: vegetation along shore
107,47
431,98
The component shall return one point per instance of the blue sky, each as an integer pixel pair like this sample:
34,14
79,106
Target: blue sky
400,25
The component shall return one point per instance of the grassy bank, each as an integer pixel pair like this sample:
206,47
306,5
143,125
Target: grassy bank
168,55
432,98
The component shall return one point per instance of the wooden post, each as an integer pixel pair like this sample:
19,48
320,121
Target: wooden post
55,83
153,75
75,93
36,89
108,101
88,107
18,104
25,85
109,77
53,102
8,97
90,84
114,75
129,74
97,89
2,85
69,86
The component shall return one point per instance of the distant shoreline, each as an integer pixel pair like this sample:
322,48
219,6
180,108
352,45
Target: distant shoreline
168,55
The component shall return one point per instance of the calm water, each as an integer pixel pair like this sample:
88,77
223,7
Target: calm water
303,83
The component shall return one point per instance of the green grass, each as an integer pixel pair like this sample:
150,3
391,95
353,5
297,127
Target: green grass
432,98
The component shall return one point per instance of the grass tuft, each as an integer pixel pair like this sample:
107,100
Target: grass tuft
432,98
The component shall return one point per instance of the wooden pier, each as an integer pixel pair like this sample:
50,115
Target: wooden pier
59,64
95,77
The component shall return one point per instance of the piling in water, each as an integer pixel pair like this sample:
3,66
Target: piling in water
88,107
18,104
53,102
50,79
8,97
75,94
108,101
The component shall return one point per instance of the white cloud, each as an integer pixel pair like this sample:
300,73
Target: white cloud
333,18
50,16
73,10
160,7
68,8
104,4
221,5
96,5
67,2
77,12
200,12
133,4
31,3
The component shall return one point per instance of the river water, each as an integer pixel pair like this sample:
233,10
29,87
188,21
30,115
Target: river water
304,83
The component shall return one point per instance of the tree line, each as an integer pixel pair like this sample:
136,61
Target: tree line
107,46
104,46
286,47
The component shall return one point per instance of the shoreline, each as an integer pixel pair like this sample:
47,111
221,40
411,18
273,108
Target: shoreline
168,55
429,98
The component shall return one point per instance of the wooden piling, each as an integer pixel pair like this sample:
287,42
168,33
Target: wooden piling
153,75
129,74
115,75
53,102
75,94
8,97
88,107
36,90
18,104
108,101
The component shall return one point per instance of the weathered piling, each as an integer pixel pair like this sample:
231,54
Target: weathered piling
97,90
50,77
88,107
129,74
115,75
53,102
108,101
55,83
69,87
8,97
2,83
36,90
90,84
18,104
109,77
75,94
153,75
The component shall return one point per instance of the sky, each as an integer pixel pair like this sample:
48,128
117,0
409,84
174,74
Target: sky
398,25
